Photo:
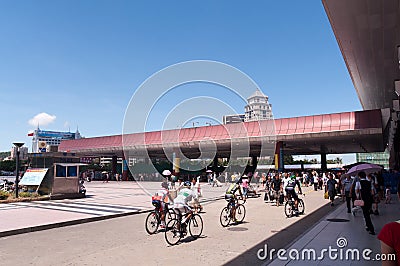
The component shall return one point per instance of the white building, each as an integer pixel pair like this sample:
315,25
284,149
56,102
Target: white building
258,107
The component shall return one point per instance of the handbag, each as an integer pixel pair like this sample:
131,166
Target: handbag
326,195
359,203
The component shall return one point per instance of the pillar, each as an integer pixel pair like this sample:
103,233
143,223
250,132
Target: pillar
125,168
215,164
324,166
279,153
254,163
114,166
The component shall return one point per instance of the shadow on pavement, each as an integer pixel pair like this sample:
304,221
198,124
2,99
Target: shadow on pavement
283,238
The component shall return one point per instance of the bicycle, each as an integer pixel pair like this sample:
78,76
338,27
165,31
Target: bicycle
290,206
153,219
227,212
175,229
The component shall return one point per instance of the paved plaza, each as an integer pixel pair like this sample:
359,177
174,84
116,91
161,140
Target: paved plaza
107,228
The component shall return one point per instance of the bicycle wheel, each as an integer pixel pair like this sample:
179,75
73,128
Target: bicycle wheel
288,209
225,216
152,223
170,215
195,225
172,232
301,206
240,213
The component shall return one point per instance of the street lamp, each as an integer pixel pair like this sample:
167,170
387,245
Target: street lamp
18,145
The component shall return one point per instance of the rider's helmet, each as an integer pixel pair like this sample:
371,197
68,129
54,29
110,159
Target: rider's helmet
187,184
293,177
164,185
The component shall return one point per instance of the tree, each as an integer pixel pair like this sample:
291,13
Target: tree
8,166
288,159
337,160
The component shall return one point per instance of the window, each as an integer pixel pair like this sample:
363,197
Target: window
66,171
61,171
72,171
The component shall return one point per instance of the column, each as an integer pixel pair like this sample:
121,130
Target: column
125,168
279,153
113,166
324,166
254,163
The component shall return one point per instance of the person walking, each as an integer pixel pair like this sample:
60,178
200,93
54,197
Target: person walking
376,200
331,187
245,185
346,191
315,180
388,196
365,192
277,187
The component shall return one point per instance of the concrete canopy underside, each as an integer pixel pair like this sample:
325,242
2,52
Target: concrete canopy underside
368,34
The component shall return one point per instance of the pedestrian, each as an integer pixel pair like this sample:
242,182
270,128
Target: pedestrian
346,191
376,199
277,187
245,185
263,180
365,192
388,196
331,187
180,184
315,180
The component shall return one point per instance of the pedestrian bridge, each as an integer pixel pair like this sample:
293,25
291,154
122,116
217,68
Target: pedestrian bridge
348,132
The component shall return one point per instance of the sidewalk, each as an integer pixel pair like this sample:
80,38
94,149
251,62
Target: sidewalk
103,201
344,232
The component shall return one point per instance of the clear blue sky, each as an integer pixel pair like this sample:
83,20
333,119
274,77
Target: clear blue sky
81,61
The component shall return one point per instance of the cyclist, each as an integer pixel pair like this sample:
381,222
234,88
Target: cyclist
291,192
163,197
230,194
181,201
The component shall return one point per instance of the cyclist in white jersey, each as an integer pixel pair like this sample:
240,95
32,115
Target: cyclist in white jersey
181,201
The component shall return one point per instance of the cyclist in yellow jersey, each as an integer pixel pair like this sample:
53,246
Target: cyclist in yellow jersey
231,196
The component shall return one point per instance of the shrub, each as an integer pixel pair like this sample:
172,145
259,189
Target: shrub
4,195
28,195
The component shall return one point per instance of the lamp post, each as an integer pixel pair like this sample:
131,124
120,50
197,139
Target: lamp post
17,145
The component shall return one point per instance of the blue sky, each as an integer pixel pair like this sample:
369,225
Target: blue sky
81,61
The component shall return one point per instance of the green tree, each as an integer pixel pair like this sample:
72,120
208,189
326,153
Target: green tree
8,165
288,159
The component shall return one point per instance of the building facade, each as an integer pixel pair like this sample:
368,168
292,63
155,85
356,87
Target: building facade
44,140
257,108
380,158
23,153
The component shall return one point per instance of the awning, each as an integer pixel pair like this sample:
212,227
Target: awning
33,177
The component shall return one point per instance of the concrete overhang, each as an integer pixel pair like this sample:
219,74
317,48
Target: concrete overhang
368,34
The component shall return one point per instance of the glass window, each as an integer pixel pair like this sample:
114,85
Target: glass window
61,171
72,171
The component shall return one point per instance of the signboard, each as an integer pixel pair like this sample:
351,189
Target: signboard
33,177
